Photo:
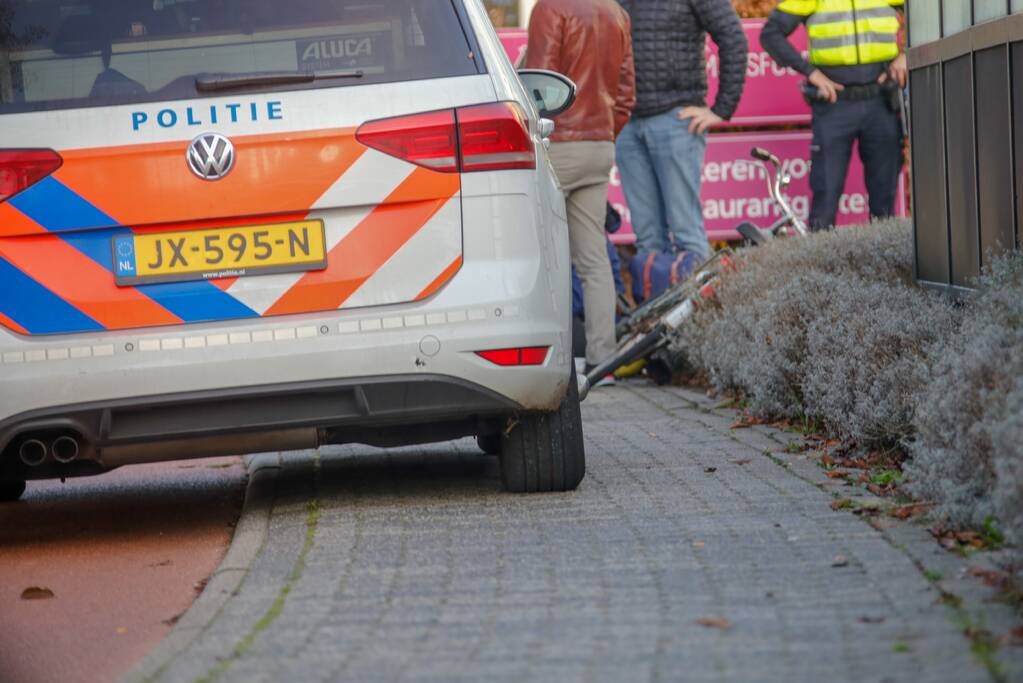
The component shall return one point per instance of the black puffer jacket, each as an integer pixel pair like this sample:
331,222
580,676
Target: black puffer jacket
668,38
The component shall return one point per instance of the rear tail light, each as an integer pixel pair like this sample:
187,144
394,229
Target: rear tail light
530,355
429,140
494,137
20,169
487,137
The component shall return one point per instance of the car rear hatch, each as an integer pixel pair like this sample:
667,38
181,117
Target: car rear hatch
164,163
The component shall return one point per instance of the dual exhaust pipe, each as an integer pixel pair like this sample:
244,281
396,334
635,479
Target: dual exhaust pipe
63,449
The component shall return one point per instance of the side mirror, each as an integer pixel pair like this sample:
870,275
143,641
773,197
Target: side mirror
552,93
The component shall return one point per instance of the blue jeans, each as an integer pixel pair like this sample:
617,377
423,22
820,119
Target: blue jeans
835,128
660,165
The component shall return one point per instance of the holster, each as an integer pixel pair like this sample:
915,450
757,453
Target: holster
892,95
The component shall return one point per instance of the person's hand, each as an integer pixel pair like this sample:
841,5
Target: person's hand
897,71
827,88
700,119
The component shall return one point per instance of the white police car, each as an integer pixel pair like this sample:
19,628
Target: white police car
232,226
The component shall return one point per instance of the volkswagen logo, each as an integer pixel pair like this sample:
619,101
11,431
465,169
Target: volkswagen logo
211,156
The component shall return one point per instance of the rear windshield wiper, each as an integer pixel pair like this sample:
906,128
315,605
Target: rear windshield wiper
229,81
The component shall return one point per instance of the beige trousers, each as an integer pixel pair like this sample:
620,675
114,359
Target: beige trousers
584,170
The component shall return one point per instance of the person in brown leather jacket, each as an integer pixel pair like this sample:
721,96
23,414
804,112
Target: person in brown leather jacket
590,42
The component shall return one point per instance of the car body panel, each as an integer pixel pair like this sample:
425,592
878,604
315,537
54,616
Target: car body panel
425,268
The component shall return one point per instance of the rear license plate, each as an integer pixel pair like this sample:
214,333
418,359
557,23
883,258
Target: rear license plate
219,253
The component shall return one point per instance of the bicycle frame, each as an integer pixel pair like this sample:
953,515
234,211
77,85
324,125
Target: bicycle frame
777,182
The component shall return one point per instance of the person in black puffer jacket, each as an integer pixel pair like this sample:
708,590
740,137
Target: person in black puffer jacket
660,152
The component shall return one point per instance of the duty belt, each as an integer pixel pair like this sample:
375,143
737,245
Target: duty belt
855,93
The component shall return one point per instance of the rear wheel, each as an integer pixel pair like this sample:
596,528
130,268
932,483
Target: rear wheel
11,490
544,452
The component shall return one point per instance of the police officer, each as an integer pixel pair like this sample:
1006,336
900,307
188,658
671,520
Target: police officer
856,71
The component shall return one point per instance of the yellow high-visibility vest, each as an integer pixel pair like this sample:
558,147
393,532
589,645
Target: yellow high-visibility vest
849,32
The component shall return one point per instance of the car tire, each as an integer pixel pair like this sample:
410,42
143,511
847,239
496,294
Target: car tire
489,443
11,490
544,452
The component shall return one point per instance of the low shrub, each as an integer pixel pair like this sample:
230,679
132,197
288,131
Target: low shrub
870,347
825,328
968,456
831,329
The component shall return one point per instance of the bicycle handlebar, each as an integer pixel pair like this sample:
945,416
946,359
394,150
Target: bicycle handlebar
762,154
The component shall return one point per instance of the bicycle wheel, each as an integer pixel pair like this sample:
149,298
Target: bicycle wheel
650,312
636,346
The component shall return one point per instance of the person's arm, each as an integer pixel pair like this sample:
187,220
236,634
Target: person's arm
774,39
626,98
545,31
718,17
898,69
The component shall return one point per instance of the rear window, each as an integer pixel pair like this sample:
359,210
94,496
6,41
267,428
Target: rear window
58,54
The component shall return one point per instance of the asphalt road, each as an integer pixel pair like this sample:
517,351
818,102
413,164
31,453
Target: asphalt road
123,555
692,552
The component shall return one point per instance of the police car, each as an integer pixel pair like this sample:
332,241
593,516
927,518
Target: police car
237,226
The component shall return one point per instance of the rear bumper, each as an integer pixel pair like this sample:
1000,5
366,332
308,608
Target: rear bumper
377,370
304,414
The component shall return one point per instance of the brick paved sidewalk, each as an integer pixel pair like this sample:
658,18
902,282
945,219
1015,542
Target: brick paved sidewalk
410,564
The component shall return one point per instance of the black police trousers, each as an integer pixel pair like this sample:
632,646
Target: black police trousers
836,127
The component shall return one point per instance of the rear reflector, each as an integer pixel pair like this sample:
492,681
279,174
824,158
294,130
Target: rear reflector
20,169
487,137
531,355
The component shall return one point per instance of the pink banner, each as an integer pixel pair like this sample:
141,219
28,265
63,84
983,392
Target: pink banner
771,95
735,186
514,41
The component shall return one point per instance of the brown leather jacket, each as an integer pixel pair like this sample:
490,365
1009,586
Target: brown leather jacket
589,41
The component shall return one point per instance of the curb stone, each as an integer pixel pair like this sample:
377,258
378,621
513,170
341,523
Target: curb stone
249,536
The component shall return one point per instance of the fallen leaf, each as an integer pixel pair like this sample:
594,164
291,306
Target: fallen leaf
715,622
698,544
841,504
907,511
827,460
1016,635
121,630
991,577
876,490
837,474
36,593
971,538
710,470
744,461
840,561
